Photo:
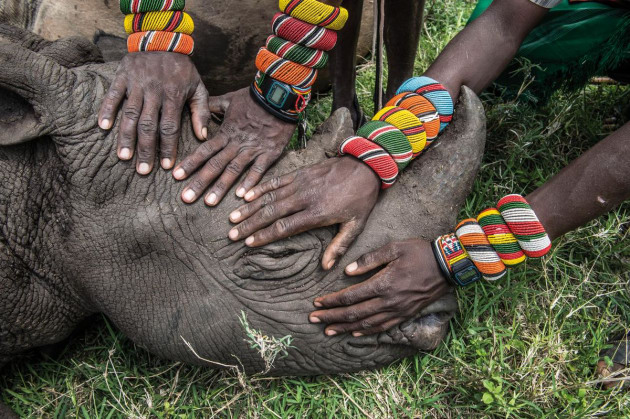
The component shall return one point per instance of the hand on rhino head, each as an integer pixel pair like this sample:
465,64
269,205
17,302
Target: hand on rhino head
155,87
164,272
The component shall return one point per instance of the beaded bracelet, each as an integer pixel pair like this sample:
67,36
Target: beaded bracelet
161,41
422,109
302,33
435,93
308,57
141,6
391,139
177,21
374,156
316,13
497,239
284,70
406,122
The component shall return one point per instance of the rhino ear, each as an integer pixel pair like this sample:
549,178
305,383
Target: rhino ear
32,87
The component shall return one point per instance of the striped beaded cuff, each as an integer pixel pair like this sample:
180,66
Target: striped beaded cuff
500,237
284,70
422,109
374,156
407,123
161,41
142,6
452,254
307,57
435,93
390,138
177,21
315,13
302,33
479,249
525,226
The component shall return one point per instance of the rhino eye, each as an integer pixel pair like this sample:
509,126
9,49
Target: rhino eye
292,258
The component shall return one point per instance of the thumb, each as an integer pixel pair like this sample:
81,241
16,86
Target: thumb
348,232
220,104
200,112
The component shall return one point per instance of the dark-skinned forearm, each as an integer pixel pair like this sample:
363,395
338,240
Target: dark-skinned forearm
482,50
590,186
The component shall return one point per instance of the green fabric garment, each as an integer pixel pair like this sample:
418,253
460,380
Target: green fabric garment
573,43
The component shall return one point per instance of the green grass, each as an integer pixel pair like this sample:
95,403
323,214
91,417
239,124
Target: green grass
523,347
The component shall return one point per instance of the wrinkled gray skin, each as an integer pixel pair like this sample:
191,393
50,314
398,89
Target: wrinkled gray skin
82,233
224,45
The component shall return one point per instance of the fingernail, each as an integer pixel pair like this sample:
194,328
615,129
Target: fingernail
167,163
317,304
189,195
352,267
331,263
144,169
204,133
357,334
240,192
105,124
124,153
249,195
211,199
235,216
233,234
331,333
249,241
314,319
179,174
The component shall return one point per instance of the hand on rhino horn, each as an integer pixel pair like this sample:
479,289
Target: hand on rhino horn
248,136
336,191
157,86
409,282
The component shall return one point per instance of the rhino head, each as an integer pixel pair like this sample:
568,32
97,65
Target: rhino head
82,233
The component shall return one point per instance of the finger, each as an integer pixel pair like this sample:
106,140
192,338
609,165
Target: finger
247,210
201,155
147,134
353,294
255,174
380,328
220,104
208,173
232,171
348,232
271,212
283,228
349,314
200,111
372,322
109,107
269,185
170,131
373,260
129,125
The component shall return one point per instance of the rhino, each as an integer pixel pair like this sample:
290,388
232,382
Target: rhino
81,233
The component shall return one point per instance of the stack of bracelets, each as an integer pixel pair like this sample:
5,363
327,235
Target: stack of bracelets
158,25
403,129
287,65
484,247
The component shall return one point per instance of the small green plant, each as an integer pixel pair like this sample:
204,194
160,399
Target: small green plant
269,347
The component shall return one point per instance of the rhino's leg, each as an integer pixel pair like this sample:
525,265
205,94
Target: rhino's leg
403,22
343,62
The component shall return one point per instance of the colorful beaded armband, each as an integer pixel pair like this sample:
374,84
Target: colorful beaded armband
284,70
177,21
435,93
374,156
161,41
142,6
302,33
407,123
422,109
391,139
316,13
308,57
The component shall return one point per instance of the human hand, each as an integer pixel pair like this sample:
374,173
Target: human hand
336,191
409,281
156,85
249,135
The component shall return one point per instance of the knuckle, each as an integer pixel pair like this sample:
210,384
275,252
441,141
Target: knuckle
366,324
268,198
258,168
220,186
215,165
197,185
147,127
234,168
346,298
281,226
352,316
382,287
275,182
169,128
269,211
131,112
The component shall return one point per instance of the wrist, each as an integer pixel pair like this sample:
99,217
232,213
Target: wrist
362,171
